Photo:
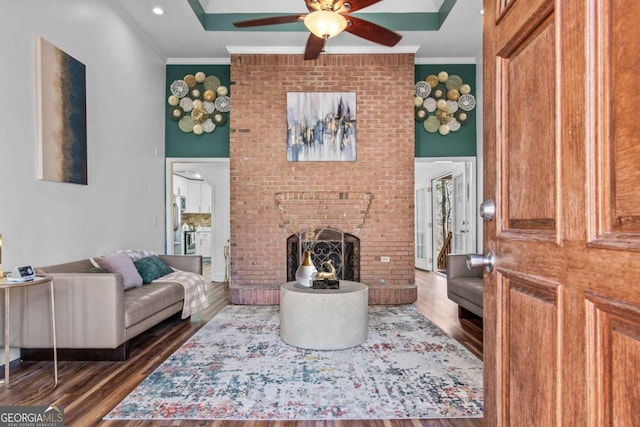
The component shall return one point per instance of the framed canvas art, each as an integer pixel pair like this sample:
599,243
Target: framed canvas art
321,126
61,113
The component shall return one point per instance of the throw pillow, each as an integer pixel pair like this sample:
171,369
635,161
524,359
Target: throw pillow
136,254
121,263
151,267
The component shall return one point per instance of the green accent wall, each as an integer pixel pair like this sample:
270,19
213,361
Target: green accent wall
455,144
216,143
181,144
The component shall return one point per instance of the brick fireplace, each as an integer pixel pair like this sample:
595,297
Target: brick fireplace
370,198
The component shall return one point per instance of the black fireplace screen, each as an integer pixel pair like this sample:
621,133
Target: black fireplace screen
341,249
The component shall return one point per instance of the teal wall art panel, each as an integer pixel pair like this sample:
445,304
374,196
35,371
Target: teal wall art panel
188,144
455,144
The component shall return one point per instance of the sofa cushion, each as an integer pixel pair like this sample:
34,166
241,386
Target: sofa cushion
151,267
469,288
121,263
68,267
145,301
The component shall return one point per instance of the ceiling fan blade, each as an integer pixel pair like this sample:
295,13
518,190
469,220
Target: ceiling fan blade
284,19
373,32
315,45
355,5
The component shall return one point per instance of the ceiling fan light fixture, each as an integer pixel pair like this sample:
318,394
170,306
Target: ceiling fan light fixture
325,23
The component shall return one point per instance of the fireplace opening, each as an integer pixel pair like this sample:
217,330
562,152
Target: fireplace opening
327,244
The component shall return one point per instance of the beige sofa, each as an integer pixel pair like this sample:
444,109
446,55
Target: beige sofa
95,316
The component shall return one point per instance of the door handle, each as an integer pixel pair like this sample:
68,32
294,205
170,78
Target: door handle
488,210
486,261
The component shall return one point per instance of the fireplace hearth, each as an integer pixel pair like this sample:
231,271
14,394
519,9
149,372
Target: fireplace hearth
341,249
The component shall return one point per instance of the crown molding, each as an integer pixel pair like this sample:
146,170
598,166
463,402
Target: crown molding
198,61
444,60
298,50
277,50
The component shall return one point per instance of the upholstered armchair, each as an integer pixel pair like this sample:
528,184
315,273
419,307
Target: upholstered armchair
464,286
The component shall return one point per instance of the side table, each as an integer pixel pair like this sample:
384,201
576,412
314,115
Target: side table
7,285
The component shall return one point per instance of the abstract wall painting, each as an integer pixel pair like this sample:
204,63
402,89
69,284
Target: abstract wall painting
62,115
321,126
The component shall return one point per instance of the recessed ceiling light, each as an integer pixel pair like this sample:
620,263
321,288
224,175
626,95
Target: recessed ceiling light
158,10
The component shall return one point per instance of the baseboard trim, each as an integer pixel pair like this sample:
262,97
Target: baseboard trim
117,354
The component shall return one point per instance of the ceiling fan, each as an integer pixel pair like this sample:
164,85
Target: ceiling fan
328,18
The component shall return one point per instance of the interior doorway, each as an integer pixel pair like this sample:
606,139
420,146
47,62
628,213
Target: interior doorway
208,209
445,206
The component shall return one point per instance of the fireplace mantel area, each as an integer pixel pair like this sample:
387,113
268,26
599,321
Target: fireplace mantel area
370,198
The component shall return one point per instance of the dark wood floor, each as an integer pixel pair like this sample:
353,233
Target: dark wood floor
89,390
434,304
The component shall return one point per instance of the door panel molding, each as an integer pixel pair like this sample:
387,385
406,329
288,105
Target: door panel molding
529,189
613,346
530,301
524,16
540,288
615,176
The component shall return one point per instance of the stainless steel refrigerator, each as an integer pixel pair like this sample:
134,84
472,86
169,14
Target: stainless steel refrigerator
179,205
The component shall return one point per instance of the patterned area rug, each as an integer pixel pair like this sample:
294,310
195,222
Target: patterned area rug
237,368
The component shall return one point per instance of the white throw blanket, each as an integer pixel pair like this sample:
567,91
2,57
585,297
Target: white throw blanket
195,291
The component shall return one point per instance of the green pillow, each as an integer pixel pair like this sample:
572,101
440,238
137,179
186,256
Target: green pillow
151,267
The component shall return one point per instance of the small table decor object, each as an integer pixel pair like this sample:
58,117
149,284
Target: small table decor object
306,271
326,284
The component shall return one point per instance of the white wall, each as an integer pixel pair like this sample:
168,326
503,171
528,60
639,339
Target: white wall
122,206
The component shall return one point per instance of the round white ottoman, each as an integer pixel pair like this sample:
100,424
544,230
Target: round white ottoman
324,319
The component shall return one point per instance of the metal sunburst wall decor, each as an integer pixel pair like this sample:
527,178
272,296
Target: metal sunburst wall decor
443,103
199,103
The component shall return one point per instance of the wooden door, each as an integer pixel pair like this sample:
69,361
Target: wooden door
562,162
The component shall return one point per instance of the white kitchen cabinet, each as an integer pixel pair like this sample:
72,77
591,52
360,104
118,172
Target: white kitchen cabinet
205,198
198,197
193,197
180,185
203,243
